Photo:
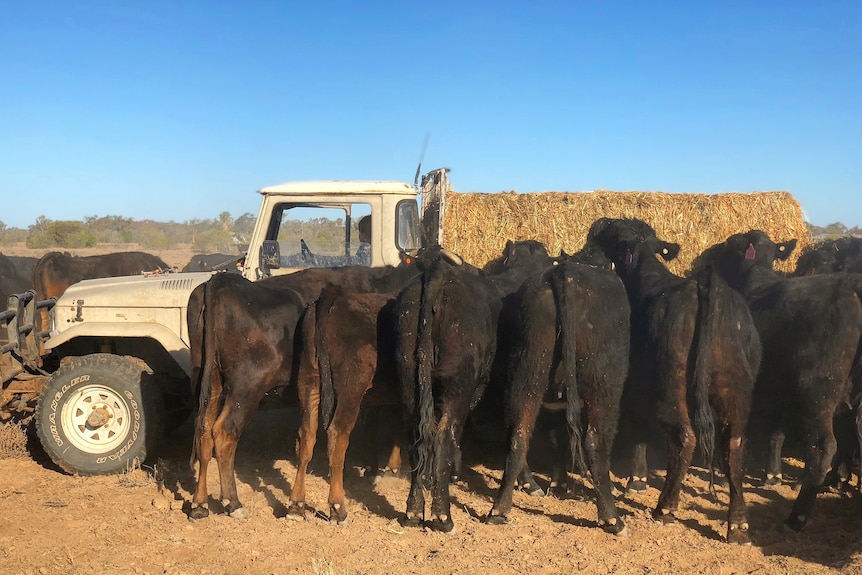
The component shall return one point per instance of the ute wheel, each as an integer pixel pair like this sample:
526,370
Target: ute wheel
99,414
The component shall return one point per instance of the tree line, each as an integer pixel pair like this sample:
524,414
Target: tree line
224,233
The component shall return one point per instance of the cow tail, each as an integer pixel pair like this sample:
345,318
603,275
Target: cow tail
703,336
209,357
563,287
324,360
424,352
856,391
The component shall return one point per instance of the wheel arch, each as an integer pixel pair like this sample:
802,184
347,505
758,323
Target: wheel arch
122,338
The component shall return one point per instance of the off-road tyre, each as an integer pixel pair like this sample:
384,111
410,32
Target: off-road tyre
100,414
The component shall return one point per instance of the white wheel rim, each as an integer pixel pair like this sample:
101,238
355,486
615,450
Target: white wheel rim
96,419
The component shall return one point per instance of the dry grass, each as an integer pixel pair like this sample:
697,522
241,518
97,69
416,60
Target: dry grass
477,225
137,475
13,440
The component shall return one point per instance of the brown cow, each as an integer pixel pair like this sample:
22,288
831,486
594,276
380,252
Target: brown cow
56,271
242,345
347,361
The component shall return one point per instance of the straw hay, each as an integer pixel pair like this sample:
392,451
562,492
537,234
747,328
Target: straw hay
477,225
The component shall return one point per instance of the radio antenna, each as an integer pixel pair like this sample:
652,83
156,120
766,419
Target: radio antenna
421,157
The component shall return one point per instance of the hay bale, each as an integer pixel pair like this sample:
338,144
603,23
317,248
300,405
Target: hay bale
477,225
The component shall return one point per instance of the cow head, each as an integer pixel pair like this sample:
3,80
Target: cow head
530,252
626,242
742,255
819,258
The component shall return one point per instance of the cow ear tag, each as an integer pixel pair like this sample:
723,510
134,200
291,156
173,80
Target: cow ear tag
750,253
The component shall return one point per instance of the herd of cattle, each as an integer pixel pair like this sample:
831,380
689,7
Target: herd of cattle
732,351
599,337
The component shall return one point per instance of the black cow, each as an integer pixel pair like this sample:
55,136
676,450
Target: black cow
347,362
811,329
16,275
446,339
212,262
243,344
571,346
827,256
10,282
694,350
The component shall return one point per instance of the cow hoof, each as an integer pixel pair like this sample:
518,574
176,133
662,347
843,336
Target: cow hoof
296,512
496,519
337,514
410,521
199,512
738,534
442,524
616,527
664,517
636,485
794,525
533,490
774,481
239,513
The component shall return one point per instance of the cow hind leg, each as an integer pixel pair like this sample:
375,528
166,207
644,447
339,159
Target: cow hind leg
447,454
204,444
338,439
681,442
415,513
519,441
817,462
773,460
598,444
227,431
637,482
733,446
309,404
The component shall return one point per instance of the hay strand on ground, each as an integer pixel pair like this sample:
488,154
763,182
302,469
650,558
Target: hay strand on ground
477,225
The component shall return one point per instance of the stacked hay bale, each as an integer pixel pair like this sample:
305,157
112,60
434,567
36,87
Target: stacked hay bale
477,225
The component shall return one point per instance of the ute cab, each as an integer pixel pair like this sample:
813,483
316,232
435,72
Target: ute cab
319,224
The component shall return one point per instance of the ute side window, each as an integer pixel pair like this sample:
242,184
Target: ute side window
407,226
311,236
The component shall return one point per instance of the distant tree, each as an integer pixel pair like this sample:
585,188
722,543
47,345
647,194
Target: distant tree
243,227
40,226
214,241
151,237
63,234
224,220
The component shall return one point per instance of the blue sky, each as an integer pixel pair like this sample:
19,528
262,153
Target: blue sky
172,110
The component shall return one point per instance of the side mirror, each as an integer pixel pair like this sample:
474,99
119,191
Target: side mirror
270,255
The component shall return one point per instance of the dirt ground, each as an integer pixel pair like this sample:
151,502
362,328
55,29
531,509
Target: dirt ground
51,522
138,522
